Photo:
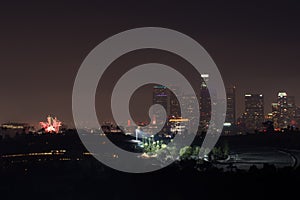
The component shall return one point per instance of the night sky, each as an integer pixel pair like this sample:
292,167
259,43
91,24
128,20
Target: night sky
255,45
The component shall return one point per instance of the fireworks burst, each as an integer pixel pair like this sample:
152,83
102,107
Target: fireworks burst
52,125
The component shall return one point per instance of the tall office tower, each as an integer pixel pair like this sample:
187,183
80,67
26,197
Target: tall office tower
283,113
284,110
190,103
275,114
292,109
231,106
205,103
161,96
254,112
174,103
167,98
297,116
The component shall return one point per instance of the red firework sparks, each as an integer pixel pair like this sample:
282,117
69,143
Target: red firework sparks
52,125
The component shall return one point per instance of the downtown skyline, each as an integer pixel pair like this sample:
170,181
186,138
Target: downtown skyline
256,48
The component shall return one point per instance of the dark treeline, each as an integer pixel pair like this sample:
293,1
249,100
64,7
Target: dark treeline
86,178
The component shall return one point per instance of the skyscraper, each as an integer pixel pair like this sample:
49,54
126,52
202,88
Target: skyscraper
231,106
292,108
167,98
174,103
284,110
160,96
190,103
254,112
205,103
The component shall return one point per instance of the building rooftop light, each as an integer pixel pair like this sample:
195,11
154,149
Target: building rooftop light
282,94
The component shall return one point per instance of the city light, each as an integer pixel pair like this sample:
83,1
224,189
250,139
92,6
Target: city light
282,94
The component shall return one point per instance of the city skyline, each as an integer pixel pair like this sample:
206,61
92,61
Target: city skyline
283,107
255,48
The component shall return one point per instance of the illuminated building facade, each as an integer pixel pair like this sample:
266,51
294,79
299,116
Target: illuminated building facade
189,105
165,97
178,125
205,103
231,106
12,129
284,111
230,127
160,96
174,103
253,116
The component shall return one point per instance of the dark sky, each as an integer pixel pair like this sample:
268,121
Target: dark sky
255,45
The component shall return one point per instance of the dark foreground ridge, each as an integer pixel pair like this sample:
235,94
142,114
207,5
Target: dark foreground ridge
66,171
